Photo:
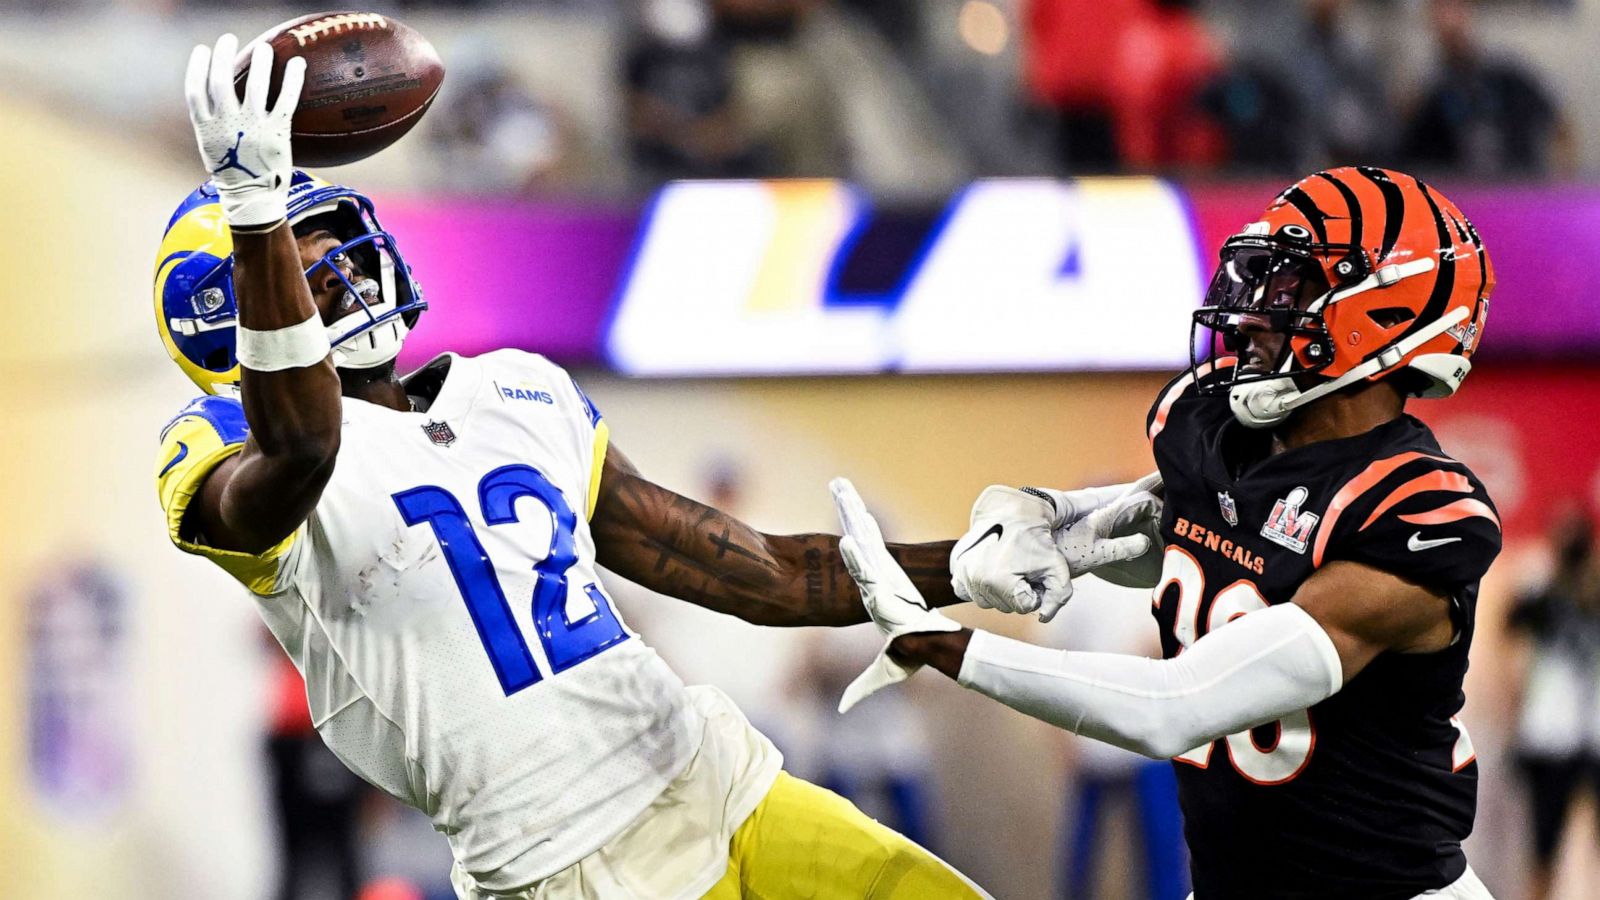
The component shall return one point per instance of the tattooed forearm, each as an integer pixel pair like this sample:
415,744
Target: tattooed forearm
679,547
814,578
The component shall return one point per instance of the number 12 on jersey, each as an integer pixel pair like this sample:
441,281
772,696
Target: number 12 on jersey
566,643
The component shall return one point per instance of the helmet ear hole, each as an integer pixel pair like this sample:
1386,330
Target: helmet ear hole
1391,316
217,360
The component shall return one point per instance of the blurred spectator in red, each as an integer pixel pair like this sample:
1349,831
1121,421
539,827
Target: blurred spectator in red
1557,731
1482,115
780,91
1123,76
389,889
680,91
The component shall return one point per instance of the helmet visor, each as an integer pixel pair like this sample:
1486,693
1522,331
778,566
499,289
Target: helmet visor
1266,285
1264,278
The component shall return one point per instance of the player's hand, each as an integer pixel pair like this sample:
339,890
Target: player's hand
892,601
1114,543
244,146
1018,556
1008,559
1108,541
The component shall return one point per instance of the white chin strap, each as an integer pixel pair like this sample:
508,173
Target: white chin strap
370,348
1265,403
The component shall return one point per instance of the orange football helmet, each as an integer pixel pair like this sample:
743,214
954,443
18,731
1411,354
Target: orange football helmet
1368,271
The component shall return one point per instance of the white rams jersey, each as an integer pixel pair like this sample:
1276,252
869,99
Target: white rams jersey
443,606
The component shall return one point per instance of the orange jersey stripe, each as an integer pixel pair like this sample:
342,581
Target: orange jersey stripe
1465,508
1177,389
1357,486
1433,481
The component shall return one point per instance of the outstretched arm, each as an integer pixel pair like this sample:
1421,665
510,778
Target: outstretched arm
288,387
674,545
1256,669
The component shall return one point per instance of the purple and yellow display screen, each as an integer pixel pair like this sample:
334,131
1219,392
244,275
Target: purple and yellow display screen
794,277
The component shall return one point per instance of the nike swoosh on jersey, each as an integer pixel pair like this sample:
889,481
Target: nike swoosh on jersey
1415,542
996,529
183,450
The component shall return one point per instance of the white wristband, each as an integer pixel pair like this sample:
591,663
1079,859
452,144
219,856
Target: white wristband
296,346
253,207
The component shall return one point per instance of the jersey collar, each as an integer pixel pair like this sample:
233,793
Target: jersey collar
459,389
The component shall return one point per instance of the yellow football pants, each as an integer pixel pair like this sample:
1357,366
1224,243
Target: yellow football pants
807,842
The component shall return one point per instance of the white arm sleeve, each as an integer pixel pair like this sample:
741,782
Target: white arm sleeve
1258,668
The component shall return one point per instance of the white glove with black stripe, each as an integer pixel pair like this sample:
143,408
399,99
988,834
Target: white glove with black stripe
1025,545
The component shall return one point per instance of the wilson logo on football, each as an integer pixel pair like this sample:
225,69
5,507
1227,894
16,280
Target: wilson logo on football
1288,526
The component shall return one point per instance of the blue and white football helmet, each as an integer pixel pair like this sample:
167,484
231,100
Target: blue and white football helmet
195,310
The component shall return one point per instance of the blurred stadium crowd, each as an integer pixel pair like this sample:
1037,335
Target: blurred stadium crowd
610,97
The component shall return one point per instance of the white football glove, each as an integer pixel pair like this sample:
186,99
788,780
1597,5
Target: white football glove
1027,566
893,602
244,146
1135,514
1008,559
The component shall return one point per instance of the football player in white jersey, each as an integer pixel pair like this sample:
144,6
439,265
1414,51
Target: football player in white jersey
425,549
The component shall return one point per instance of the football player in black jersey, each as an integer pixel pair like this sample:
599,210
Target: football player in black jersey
1316,737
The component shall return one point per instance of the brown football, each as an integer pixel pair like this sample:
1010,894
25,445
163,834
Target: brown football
369,78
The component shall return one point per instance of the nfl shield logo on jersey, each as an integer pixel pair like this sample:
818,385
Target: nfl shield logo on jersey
439,433
1288,526
1230,511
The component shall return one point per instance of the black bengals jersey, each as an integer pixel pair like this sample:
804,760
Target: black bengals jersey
1370,792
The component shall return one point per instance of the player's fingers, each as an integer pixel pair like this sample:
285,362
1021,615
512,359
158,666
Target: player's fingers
294,78
862,687
258,78
852,511
1024,599
1151,483
1055,580
1057,591
1049,608
853,515
979,594
880,674
1100,522
195,81
958,585
221,81
994,596
854,563
1122,549
1137,508
846,504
